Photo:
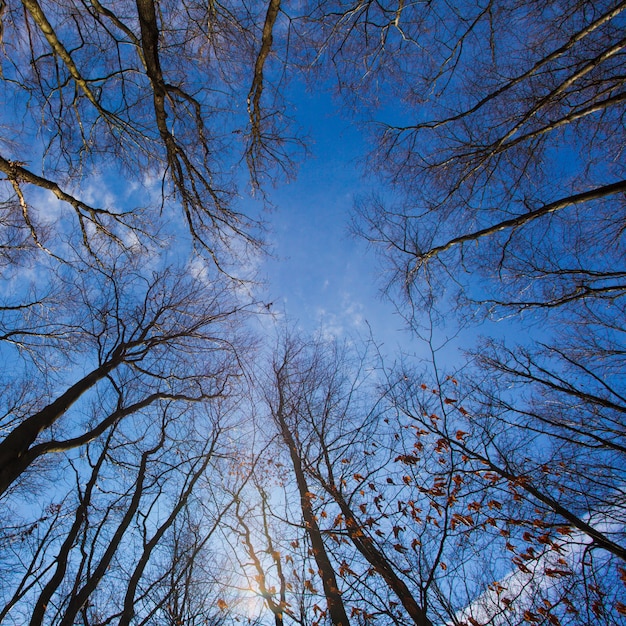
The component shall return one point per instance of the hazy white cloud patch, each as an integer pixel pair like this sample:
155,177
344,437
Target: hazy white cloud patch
347,319
152,180
47,208
199,270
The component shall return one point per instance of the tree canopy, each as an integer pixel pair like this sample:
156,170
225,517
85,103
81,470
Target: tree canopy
173,453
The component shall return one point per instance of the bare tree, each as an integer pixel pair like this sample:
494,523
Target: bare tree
146,482
519,142
506,160
265,562
127,473
283,402
122,346
143,339
506,201
336,446
434,505
145,90
543,505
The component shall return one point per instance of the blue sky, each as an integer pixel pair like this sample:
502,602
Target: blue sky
320,275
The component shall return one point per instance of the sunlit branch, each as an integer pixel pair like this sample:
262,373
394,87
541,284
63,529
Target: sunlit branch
256,90
517,222
572,41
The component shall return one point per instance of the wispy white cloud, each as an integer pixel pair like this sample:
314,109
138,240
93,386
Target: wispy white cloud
507,600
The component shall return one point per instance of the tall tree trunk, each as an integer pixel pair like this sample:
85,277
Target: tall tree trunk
336,608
